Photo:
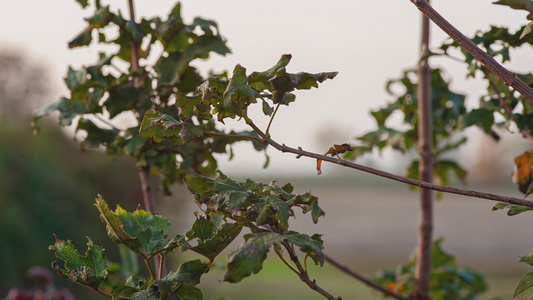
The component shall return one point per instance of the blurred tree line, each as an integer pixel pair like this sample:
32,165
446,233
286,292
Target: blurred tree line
46,185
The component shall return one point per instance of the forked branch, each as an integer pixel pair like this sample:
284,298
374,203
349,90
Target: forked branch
302,272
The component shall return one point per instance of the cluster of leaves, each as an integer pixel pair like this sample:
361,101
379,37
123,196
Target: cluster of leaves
173,104
145,235
500,99
449,112
448,118
194,121
101,92
524,290
448,281
264,209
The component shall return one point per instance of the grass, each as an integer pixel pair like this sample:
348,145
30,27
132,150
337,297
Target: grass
276,281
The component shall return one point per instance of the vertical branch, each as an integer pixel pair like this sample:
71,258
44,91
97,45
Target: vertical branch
144,172
134,49
144,176
425,170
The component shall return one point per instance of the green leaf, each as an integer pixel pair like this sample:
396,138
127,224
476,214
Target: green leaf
524,290
237,96
169,68
189,272
268,74
282,82
189,293
67,111
223,236
122,98
316,211
482,118
514,209
161,126
101,18
89,270
83,3
142,232
96,136
187,104
518,4
203,228
312,246
249,257
75,78
266,204
129,264
84,38
528,259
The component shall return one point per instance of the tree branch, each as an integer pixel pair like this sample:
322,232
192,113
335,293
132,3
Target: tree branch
425,169
363,279
421,184
509,78
304,276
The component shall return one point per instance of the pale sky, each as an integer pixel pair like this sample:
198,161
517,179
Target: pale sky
367,42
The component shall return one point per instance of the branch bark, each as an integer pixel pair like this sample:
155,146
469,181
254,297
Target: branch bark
144,172
363,279
425,169
489,62
435,187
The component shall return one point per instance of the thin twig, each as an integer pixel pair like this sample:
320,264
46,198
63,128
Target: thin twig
160,267
267,132
421,184
144,176
232,136
280,255
363,279
508,77
150,270
304,276
107,122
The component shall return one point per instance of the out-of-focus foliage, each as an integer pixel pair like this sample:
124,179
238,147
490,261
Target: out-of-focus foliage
104,90
448,112
448,281
45,180
23,86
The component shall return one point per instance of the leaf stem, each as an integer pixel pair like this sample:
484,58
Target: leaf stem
267,132
150,270
278,250
233,136
160,268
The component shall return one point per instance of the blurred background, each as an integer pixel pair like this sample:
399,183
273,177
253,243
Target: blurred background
47,185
